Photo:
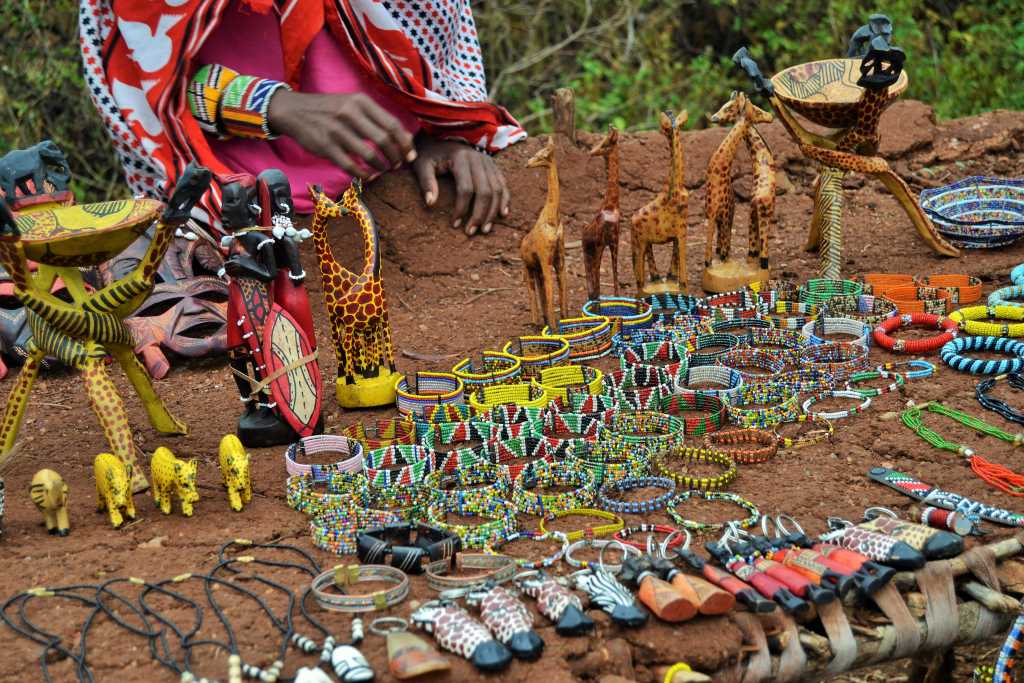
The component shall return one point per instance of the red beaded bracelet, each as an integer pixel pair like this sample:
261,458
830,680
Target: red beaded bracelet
883,332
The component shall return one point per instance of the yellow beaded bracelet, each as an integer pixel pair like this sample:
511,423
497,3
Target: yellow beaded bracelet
971,320
558,382
617,523
518,393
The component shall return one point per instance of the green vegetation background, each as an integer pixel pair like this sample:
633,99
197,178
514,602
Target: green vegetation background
626,59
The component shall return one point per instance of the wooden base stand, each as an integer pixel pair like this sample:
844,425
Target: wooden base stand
731,275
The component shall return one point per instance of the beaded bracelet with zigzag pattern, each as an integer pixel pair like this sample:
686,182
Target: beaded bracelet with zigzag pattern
692,456
780,314
715,410
524,454
580,426
381,433
398,465
596,406
708,341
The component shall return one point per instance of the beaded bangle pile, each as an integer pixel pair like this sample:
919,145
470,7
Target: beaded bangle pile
780,314
839,359
589,532
821,290
444,437
883,333
1004,296
873,282
963,289
639,387
495,367
747,357
911,299
536,353
353,574
301,496
666,305
718,375
765,445
713,527
500,524
510,415
559,382
606,502
646,429
646,335
324,443
779,404
595,406
1015,380
770,291
784,342
589,337
803,381
864,307
707,341
815,331
445,412
382,433
671,356
204,93
524,454
807,438
426,390
626,314
607,463
837,414
687,456
529,502
696,425
470,487
520,394
544,563
336,530
398,465
971,320
581,426
879,373
951,355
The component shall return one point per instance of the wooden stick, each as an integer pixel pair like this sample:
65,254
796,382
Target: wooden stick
1002,549
994,601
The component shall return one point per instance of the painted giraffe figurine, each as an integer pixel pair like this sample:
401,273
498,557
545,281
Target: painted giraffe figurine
356,305
603,231
762,202
543,248
663,219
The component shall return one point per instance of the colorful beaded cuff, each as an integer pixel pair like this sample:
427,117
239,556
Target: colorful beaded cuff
500,522
683,328
695,379
520,394
971,320
690,402
595,406
824,326
764,445
607,463
866,308
244,104
495,367
580,426
866,376
646,429
667,304
523,454
470,487
665,463
764,405
865,403
787,342
510,421
769,362
398,465
589,532
625,313
839,359
426,390
1004,296
647,335
770,291
933,300
702,342
336,530
589,338
351,449
445,412
809,437
821,290
606,501
640,387
790,315
300,494
963,289
713,527
740,326
803,381
204,94
952,355
382,433
444,438
669,355
536,353
882,334
559,382
873,282
528,499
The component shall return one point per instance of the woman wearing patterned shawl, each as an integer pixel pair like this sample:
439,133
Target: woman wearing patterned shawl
325,90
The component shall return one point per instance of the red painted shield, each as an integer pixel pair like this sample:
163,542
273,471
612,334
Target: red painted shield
299,391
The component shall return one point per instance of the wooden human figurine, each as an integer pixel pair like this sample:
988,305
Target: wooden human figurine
543,248
113,488
50,495
172,476
663,219
725,274
356,305
603,231
234,471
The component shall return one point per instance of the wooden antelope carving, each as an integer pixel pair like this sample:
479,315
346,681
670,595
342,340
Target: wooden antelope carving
603,231
543,248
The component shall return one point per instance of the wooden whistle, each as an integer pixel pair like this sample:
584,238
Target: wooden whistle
666,601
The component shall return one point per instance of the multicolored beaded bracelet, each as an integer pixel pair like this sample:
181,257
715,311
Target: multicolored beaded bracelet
608,461
684,327
963,289
382,433
544,563
595,406
819,291
839,359
336,529
1004,296
636,507
544,475
674,538
666,305
924,368
817,330
877,373
669,355
647,335
665,462
802,381
324,443
912,299
525,453
244,104
695,379
748,357
780,314
715,410
589,337
445,412
951,355
778,401
589,532
558,382
765,445
426,390
866,308
784,342
519,393
710,341
646,429
1015,380
581,426
836,414
806,438
736,299
770,291
300,494
398,465
494,367
536,353
1017,274
469,486
408,502
740,327
971,320
626,314
713,527
204,93
510,415
639,387
500,525
883,333
442,437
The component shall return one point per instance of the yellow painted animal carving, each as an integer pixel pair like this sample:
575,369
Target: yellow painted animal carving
50,495
234,468
170,476
113,487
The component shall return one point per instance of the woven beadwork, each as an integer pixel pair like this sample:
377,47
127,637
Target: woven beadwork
625,313
764,445
825,325
606,501
244,104
770,291
536,353
381,433
500,524
874,283
523,454
747,522
644,429
398,465
1004,296
912,299
528,500
819,291
581,426
510,421
839,359
696,425
639,387
728,379
516,393
647,335
803,381
865,403
607,460
351,449
204,94
335,530
776,403
666,305
470,487
697,348
772,363
971,320
882,334
665,465
495,367
589,337
559,382
952,355
671,356
740,327
683,327
866,308
595,406
963,289
426,390
790,315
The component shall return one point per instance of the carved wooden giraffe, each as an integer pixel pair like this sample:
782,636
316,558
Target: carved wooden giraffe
356,305
663,219
762,202
604,229
543,248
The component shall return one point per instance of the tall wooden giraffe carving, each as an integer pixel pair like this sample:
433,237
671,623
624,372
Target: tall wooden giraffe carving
762,201
663,219
720,200
603,231
543,248
356,306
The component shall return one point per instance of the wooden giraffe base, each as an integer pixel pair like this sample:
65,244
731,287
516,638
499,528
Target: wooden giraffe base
731,275
663,285
367,393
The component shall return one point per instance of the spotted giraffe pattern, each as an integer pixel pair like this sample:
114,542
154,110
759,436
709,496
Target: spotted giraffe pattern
456,631
552,597
872,544
504,614
762,202
355,302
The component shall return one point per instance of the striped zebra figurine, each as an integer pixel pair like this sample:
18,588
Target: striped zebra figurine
50,495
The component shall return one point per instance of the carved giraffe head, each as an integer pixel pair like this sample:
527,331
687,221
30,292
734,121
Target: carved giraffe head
545,156
732,110
665,123
608,143
757,115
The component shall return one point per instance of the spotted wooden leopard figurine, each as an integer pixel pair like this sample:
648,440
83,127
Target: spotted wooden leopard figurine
171,475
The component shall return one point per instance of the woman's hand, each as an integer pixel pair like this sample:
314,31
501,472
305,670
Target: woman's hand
478,180
337,127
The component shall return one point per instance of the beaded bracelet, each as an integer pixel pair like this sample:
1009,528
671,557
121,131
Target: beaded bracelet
544,475
639,387
519,393
625,313
495,367
426,390
1004,296
204,93
600,545
951,355
674,538
766,445
244,106
865,308
784,342
646,335
707,341
536,353
589,532
607,490
595,406
837,414
815,331
883,333
802,381
524,454
747,357
510,420
780,314
408,502
301,496
324,443
684,327
692,456
558,382
646,429
398,465
470,487
500,524
779,405
453,443
581,426
963,289
408,552
335,530
544,563
740,327
821,290
606,462
381,433
933,300
589,338
1015,380
807,438
666,305
713,527
1017,274
839,359
444,412
924,368
875,281
343,577
878,373
672,354
736,300
717,375
696,425
770,291
971,321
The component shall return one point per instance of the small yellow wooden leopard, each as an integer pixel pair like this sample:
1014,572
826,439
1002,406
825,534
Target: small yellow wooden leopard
50,495
234,468
171,475
114,487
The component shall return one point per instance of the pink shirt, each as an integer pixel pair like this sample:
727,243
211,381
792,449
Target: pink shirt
250,43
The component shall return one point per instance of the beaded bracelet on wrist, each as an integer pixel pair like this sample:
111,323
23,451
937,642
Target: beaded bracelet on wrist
865,308
499,523
694,382
865,403
608,461
748,357
589,532
343,577
425,390
600,545
523,454
589,338
625,536
336,530
776,403
485,399
669,355
839,359
819,291
528,500
606,501
823,326
1015,380
971,320
664,464
666,305
1006,296
963,289
948,327
382,433
244,107
558,382
550,561
536,353
350,449
915,299
713,527
398,465
698,356
923,368
789,315
204,92
952,355
625,313
823,431
764,445
715,410
769,291
494,367
867,375
410,546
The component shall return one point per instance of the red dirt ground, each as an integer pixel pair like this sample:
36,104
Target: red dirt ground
451,295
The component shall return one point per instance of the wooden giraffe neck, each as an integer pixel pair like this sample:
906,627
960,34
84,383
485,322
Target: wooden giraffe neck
758,148
677,179
371,243
325,209
726,151
611,171
549,214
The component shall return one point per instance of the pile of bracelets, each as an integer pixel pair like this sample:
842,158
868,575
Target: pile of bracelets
336,530
866,308
744,446
350,449
972,320
470,488
1015,380
669,355
821,290
615,523
952,354
963,289
536,353
602,406
666,305
524,453
567,430
606,499
380,433
720,343
897,383
528,498
914,299
639,387
839,359
822,430
816,331
495,367
749,357
443,437
643,429
341,493
764,405
948,330
398,465
499,523
1005,296
511,420
517,393
426,390
865,403
789,315
713,408
558,382
786,342
876,283
770,291
665,465
625,313
708,528
697,379
589,338
606,462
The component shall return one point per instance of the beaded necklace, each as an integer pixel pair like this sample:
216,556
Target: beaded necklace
1015,380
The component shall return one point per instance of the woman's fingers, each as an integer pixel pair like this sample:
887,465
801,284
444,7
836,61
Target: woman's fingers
499,197
355,146
335,151
426,174
483,196
463,175
395,132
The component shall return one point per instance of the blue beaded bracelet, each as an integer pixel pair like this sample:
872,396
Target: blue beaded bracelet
951,355
1017,274
1003,296
636,507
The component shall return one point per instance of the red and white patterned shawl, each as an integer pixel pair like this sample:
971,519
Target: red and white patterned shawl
139,54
